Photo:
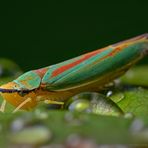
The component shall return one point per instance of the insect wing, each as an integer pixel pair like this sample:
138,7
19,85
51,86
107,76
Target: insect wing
95,65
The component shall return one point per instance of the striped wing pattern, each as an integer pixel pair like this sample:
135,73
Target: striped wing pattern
93,65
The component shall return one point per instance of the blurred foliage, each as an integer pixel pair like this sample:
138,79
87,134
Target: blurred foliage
137,75
116,115
9,70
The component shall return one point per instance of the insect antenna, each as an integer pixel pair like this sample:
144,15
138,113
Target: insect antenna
22,104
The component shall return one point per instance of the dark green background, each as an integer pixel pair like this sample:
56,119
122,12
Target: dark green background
39,33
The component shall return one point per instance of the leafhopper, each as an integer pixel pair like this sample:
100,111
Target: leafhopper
89,72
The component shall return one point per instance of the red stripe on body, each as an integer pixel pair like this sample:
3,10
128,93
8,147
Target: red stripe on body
84,57
115,51
70,65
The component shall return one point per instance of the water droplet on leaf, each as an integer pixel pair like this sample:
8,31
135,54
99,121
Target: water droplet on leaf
80,105
109,93
94,103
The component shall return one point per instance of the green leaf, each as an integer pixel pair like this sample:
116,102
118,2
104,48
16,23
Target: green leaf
135,101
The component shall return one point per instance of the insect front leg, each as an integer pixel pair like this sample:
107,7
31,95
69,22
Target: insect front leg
3,106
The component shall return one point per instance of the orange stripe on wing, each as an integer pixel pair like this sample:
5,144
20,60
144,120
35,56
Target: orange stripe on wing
115,51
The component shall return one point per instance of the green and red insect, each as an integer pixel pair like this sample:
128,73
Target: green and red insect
88,72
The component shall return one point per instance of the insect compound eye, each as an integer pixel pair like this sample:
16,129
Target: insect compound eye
23,93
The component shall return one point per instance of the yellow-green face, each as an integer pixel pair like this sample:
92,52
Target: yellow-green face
16,98
23,91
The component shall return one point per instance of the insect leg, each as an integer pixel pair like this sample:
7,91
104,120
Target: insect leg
22,104
3,106
53,102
